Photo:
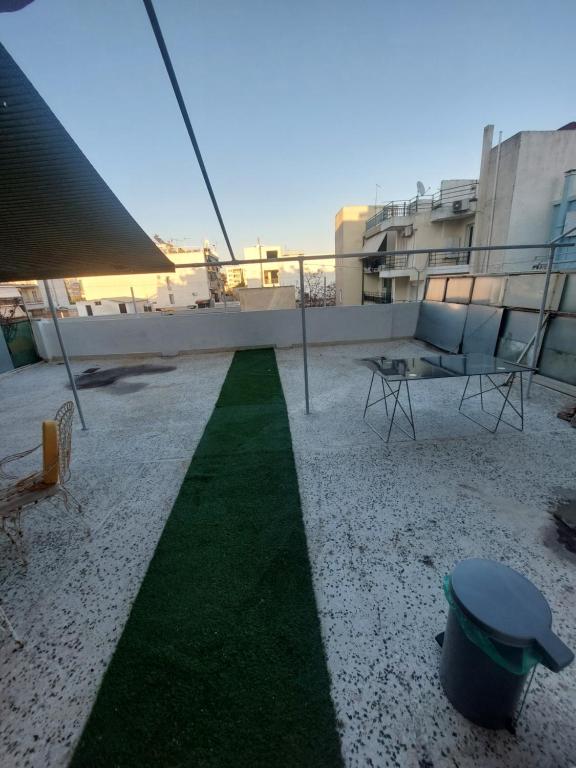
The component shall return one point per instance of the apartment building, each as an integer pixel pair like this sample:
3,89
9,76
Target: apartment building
272,273
526,193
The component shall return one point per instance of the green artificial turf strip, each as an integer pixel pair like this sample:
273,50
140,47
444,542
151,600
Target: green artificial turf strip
221,661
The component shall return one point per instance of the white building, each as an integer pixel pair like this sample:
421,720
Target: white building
186,287
274,273
120,305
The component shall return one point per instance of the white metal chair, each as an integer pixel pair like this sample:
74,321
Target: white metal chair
47,484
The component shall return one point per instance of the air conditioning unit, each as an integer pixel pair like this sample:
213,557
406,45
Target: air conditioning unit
459,206
408,231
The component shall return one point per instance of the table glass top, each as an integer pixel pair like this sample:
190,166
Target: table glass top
439,366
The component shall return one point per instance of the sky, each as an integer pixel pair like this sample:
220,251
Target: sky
300,106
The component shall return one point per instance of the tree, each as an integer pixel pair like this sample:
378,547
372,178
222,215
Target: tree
317,292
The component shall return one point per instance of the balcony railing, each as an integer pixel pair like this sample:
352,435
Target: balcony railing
384,297
395,261
400,208
450,195
448,259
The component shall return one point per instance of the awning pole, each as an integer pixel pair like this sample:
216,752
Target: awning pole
541,313
64,353
304,340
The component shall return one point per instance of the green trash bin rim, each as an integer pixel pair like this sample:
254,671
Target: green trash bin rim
529,656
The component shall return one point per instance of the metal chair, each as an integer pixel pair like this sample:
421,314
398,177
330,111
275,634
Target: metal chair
47,484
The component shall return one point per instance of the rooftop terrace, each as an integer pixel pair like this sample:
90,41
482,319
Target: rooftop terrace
384,524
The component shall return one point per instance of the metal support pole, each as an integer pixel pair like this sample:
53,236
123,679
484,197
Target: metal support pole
540,324
180,99
134,301
304,342
64,353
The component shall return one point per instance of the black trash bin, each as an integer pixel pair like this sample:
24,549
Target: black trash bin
498,629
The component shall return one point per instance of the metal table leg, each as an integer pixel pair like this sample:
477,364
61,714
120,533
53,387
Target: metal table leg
398,409
495,387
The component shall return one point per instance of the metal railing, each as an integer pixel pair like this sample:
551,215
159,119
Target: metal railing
449,195
395,261
448,259
382,297
399,208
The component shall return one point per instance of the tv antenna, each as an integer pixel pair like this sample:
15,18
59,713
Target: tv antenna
421,188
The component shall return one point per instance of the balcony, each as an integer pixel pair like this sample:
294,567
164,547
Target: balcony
399,209
394,261
454,202
380,297
458,261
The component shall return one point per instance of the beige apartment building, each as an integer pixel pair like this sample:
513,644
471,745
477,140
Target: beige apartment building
525,183
273,273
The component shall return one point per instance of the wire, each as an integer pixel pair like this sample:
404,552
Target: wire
178,93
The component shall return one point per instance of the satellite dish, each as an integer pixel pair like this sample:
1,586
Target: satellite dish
421,188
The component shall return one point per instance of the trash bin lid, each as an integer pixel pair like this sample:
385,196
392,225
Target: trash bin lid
508,607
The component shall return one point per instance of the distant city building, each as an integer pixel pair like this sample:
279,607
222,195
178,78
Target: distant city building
187,287
273,273
120,305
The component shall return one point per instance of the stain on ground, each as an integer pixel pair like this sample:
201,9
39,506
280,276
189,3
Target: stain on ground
98,377
563,513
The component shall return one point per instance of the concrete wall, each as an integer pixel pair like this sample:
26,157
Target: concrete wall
282,297
157,334
530,180
350,225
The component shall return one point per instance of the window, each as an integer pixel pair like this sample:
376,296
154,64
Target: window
271,277
271,254
89,310
122,308
171,298
147,308
469,235
98,303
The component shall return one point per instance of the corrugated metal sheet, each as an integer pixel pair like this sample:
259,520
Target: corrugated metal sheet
58,216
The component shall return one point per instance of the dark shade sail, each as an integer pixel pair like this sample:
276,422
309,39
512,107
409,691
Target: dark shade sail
58,218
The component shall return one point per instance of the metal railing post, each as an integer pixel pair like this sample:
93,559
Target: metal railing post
304,340
536,350
64,353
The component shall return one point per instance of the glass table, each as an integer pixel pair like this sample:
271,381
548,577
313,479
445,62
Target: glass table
396,374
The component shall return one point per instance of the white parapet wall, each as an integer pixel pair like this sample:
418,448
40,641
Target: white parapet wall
156,334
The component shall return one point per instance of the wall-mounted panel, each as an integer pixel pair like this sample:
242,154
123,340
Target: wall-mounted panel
482,329
558,356
518,328
435,289
459,289
526,291
441,324
488,290
568,302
